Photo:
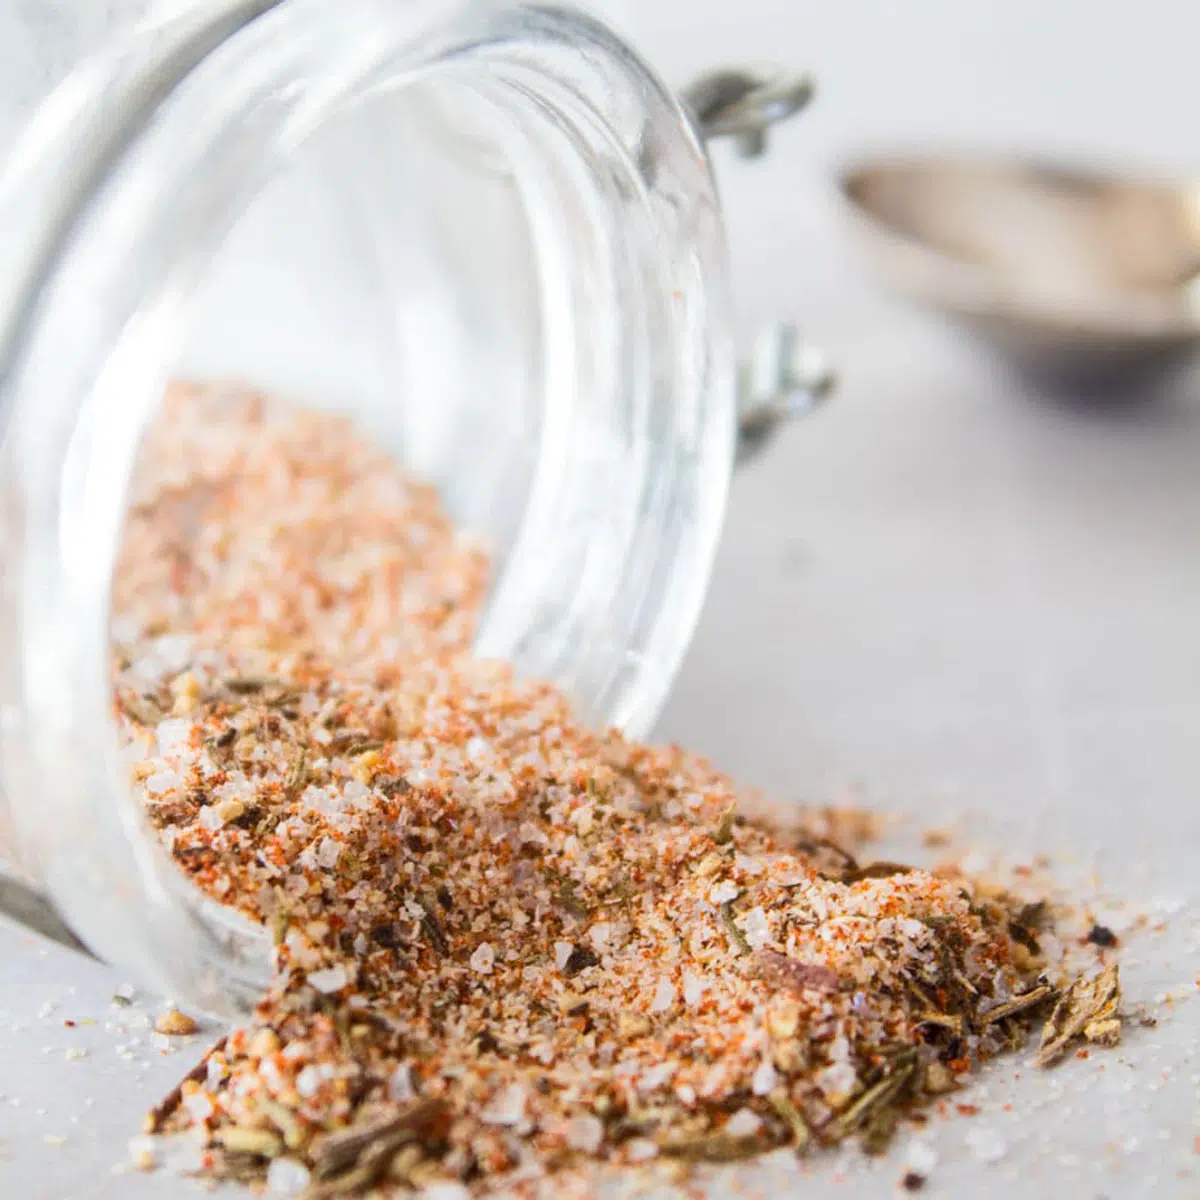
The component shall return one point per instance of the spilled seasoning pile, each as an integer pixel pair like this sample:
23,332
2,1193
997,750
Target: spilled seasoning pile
506,945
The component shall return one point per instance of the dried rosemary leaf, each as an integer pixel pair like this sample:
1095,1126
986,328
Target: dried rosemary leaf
955,1022
723,834
790,1115
337,1153
1018,1004
871,1110
433,930
876,870
712,1148
567,897
1093,1004
245,685
158,1115
297,775
736,937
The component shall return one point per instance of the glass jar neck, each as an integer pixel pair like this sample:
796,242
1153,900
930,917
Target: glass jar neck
142,166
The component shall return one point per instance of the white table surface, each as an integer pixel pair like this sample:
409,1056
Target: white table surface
945,596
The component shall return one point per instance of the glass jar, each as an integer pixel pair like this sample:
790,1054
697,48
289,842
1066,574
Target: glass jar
485,230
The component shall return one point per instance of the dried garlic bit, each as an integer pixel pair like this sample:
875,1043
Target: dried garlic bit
242,1139
174,1023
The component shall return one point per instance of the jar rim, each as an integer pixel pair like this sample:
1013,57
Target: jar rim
79,404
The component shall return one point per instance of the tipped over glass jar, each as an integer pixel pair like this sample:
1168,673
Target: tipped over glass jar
484,230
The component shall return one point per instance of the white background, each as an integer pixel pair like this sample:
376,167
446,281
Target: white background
946,594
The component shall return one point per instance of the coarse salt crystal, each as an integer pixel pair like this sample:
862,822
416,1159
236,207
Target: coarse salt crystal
174,651
693,988
446,1190
483,959
837,1081
585,1133
328,980
309,1081
765,1079
328,853
210,818
562,952
600,935
743,1124
664,996
162,782
724,892
756,927
400,1085
506,1107
287,1177
173,736
478,749
640,1150
655,1077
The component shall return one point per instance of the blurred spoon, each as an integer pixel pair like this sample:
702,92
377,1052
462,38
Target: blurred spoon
1082,278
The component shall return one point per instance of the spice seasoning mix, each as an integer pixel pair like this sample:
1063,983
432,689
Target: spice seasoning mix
505,945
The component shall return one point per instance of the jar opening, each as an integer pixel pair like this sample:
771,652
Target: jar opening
489,235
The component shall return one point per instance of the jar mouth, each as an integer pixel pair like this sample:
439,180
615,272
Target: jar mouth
607,530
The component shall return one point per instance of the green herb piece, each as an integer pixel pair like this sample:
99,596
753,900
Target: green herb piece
297,775
736,937
876,1109
951,1021
790,1115
1018,1004
876,870
357,1158
567,897
712,1148
723,834
433,930
1089,1008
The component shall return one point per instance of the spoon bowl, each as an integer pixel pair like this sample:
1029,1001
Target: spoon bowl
1079,276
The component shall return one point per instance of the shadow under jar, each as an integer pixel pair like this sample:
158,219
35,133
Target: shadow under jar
487,233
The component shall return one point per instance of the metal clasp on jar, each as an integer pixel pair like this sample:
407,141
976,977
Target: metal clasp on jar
784,376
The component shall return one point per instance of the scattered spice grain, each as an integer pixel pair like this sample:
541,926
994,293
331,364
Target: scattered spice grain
504,944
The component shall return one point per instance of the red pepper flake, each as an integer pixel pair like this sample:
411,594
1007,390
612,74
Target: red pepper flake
497,932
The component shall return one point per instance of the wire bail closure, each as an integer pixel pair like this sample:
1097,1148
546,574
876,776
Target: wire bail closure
784,377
